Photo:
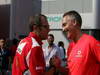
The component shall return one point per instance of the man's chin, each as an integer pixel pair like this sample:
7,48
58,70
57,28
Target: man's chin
69,38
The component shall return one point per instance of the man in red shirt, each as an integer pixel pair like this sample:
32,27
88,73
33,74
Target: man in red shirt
29,58
84,50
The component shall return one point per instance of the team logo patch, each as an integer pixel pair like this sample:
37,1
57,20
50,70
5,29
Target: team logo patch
20,47
79,53
39,67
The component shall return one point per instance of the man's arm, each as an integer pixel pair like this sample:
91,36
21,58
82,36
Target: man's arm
56,62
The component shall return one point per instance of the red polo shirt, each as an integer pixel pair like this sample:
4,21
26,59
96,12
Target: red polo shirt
84,56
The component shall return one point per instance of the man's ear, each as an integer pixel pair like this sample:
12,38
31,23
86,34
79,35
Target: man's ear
74,22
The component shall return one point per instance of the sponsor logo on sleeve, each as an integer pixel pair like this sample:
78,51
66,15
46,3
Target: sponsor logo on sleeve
20,47
39,68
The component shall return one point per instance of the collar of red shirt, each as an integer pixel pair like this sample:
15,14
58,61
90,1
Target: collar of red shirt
32,34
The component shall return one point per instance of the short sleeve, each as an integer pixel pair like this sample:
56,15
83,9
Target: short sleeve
96,50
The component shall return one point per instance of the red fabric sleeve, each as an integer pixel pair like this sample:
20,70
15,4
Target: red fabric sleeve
36,61
96,49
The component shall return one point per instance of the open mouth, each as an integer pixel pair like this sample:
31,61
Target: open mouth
65,33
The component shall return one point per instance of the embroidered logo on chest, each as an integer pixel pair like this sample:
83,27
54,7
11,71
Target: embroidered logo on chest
78,53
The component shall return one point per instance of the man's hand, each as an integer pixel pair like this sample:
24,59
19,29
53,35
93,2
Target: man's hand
55,61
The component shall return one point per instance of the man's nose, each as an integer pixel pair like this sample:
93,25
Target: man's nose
63,29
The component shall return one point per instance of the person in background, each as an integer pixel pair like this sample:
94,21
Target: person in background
84,50
13,48
51,50
22,36
4,57
29,58
62,53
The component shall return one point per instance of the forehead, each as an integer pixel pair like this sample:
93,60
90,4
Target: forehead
1,40
50,37
66,18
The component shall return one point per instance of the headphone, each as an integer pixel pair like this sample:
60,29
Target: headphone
37,19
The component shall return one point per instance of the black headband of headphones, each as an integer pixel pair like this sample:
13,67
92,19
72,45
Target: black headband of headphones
37,19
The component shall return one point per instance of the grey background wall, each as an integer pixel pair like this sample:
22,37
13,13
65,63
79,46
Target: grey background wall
54,9
4,20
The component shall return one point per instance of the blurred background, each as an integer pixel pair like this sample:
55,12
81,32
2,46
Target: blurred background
14,16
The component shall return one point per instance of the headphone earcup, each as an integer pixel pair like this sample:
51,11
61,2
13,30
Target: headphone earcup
37,19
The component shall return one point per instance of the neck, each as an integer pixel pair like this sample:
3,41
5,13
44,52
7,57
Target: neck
79,34
50,45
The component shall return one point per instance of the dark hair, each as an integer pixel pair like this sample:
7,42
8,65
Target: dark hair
60,43
5,41
15,41
35,20
51,35
76,16
3,38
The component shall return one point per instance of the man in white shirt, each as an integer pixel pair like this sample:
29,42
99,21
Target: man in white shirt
51,50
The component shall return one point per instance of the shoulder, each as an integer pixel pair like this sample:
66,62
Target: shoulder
56,47
89,38
30,40
24,44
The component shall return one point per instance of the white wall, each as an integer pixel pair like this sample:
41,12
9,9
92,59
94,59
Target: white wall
3,2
